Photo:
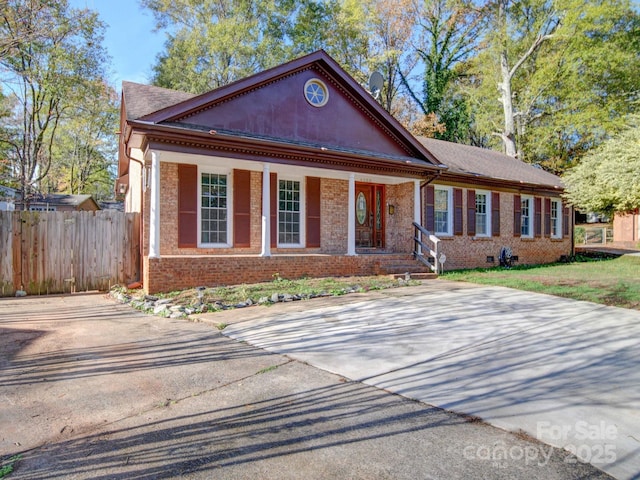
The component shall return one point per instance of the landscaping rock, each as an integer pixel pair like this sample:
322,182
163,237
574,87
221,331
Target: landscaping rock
176,315
263,300
21,293
160,309
287,298
163,301
150,298
275,298
148,305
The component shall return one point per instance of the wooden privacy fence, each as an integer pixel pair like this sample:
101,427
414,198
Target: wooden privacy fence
57,252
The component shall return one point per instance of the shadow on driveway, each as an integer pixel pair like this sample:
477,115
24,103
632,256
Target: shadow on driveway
117,394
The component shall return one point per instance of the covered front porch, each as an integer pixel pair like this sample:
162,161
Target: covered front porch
278,209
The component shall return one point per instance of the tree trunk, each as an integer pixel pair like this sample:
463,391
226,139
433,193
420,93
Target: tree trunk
508,134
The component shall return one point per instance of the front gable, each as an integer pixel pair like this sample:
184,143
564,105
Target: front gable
273,105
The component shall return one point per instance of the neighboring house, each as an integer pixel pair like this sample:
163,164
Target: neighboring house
298,171
7,198
112,205
59,202
626,227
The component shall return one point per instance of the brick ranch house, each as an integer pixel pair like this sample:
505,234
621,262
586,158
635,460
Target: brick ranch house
298,171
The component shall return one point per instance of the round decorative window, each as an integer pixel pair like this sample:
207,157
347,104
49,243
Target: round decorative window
316,93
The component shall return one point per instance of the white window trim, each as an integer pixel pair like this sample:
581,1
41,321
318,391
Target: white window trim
487,195
449,191
559,218
303,216
219,171
532,215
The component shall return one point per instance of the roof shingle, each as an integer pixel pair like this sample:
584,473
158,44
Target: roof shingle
142,100
481,162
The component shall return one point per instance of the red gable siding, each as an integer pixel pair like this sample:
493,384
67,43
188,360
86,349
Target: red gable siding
280,110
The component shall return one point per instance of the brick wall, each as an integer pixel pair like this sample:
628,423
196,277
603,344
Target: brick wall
176,272
186,267
399,229
464,251
333,215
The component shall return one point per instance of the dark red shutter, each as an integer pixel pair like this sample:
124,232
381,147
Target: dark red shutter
566,224
471,212
187,206
274,209
547,217
458,210
495,214
537,214
313,212
517,216
429,208
241,208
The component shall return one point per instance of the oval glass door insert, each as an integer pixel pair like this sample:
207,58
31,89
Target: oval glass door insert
361,208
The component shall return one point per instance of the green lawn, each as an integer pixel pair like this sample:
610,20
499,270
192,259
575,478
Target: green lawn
613,282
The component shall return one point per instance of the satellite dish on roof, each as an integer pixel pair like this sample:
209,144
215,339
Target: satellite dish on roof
376,82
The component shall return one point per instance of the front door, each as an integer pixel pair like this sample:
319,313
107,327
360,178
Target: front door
369,215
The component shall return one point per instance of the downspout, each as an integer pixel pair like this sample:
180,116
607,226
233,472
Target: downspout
572,233
141,220
422,185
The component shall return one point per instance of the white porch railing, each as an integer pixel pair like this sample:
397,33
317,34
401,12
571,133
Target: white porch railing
426,242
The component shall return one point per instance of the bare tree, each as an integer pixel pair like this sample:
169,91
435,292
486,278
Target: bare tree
51,53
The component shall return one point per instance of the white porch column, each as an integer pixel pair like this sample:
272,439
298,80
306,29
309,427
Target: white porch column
154,207
417,212
266,212
351,216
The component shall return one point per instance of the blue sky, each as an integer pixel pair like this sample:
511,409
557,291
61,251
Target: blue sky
129,38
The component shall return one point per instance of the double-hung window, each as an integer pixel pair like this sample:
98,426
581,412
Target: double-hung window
443,212
290,213
483,214
556,219
214,214
526,214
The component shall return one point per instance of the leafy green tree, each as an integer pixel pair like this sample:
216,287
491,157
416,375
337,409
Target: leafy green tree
9,44
215,42
44,76
448,33
586,87
391,51
212,43
556,77
86,147
607,180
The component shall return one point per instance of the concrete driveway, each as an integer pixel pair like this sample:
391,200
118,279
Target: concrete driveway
92,389
564,372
